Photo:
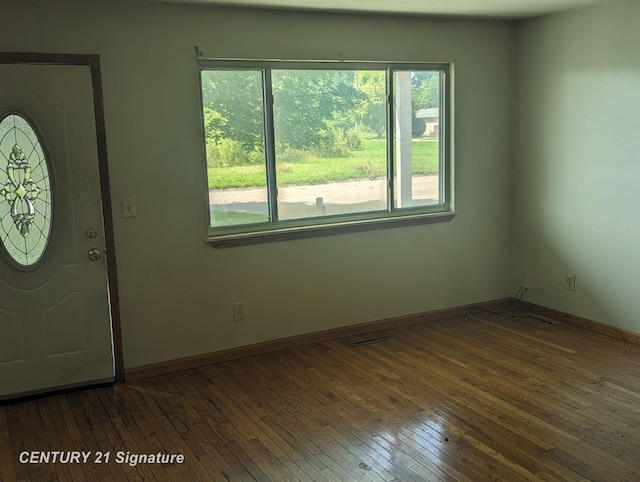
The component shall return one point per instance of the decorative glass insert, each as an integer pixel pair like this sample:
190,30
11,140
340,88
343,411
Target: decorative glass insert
25,192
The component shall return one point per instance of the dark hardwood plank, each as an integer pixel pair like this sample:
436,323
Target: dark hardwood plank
491,397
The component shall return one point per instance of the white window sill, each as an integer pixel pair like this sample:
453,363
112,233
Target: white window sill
285,233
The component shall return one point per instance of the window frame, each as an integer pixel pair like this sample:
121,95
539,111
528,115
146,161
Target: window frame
391,217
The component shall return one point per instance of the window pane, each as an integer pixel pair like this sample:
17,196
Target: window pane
234,136
329,129
417,156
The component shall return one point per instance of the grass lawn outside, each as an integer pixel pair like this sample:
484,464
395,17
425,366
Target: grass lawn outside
228,218
367,162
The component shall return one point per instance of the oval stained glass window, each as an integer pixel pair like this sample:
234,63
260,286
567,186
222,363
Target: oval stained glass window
25,192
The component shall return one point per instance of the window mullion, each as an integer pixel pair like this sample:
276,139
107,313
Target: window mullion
390,140
270,150
441,146
444,144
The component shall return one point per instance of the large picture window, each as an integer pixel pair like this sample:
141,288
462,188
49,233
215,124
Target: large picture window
304,149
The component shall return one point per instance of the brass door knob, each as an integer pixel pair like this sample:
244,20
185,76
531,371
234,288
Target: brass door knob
94,254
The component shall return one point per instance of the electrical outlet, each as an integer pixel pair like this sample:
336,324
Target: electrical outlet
571,282
238,311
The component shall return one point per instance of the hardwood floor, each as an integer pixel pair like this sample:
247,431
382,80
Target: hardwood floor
488,398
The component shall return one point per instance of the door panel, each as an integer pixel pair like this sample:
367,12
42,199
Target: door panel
12,341
55,323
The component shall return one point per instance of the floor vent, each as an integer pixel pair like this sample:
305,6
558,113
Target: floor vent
369,341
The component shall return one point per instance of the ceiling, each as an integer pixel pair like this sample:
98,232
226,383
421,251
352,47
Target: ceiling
504,9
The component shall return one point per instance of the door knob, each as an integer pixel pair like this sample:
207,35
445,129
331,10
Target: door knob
94,254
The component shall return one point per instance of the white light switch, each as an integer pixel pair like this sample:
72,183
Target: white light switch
128,207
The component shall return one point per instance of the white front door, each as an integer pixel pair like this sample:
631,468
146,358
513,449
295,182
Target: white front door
55,322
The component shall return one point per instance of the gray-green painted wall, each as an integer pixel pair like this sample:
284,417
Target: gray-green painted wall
577,162
177,292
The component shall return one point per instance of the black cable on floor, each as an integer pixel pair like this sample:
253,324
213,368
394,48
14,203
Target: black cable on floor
513,305
513,314
514,300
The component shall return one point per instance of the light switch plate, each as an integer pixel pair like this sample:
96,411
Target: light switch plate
128,207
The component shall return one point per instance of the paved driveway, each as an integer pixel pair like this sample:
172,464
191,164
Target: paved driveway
319,199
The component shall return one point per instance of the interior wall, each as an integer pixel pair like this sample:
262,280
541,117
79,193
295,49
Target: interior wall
577,170
176,291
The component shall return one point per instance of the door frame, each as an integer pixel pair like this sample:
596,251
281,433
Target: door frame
93,62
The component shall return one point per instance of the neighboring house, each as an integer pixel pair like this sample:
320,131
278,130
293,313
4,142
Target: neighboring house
431,119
